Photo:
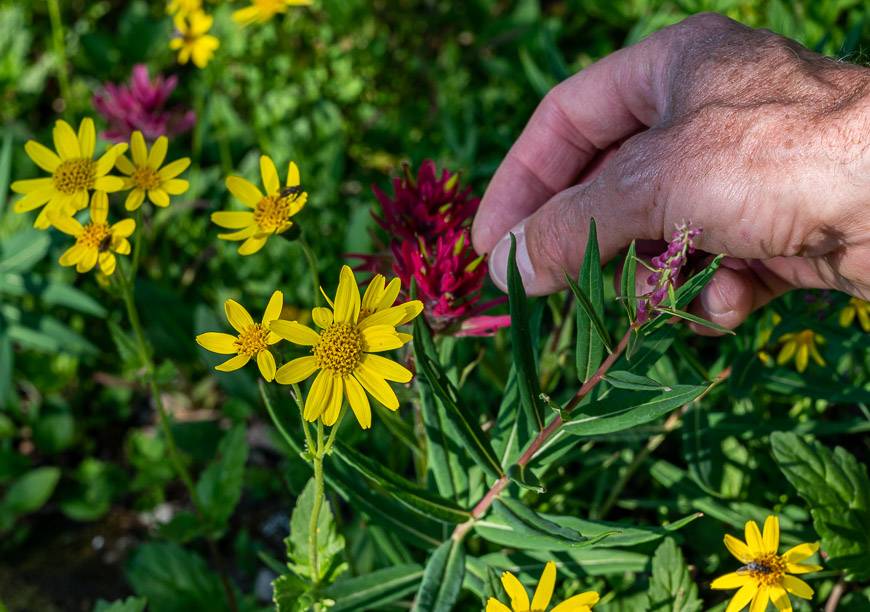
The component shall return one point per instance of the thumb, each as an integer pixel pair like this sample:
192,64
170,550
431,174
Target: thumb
551,242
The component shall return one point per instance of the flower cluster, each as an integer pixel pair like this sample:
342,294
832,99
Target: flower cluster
666,269
428,219
77,178
140,105
343,354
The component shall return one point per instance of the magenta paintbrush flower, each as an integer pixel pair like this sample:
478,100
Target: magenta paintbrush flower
140,105
666,268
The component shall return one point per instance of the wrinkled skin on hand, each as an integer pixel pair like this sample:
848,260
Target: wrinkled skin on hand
746,134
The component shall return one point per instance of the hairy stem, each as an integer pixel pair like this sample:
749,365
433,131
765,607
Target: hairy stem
318,503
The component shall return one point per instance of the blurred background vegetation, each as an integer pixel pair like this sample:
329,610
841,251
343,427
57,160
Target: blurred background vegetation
348,89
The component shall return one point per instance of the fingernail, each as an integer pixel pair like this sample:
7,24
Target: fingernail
498,260
714,300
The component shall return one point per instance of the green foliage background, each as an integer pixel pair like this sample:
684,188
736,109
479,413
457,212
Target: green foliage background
349,89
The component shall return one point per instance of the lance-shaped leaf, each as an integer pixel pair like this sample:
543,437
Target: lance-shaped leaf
404,491
627,284
620,410
527,522
622,379
220,486
442,579
837,489
590,349
521,341
471,436
671,587
688,316
376,589
443,461
585,302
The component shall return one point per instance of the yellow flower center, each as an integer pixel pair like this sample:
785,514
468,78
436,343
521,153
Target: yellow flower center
74,175
252,340
96,236
272,212
340,348
805,338
146,178
767,570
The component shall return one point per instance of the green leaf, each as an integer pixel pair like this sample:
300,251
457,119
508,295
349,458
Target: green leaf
291,594
492,587
622,379
220,486
525,478
590,349
443,462
61,294
27,494
469,431
688,316
522,346
620,410
687,292
376,589
526,521
671,586
173,579
131,604
403,490
128,351
442,579
330,544
837,489
584,302
628,282
23,250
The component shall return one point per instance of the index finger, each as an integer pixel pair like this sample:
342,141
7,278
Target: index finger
600,105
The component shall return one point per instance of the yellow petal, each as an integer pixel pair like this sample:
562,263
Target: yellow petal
295,332
246,192
158,152
389,316
515,590
359,402
292,175
252,245
388,369
802,568
66,143
68,225
544,591
322,316
34,199
159,197
107,263
788,350
731,581
796,586
100,207
273,308
176,186
42,156
738,549
125,165
347,298
233,219
759,602
753,539
88,260
780,598
87,137
173,169
109,184
372,295
391,292
494,605
380,338
124,228
237,316
269,174
578,602
30,185
803,356
239,235
742,597
121,246
108,159
333,406
134,199
375,384
411,309
266,363
239,361
138,149
296,370
72,255
217,342
318,396
771,534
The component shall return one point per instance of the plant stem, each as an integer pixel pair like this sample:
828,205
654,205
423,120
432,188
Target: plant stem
483,505
835,596
137,248
57,39
318,503
312,268
309,441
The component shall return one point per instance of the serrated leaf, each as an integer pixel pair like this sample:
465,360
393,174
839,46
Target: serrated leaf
376,589
522,347
220,486
330,544
622,379
442,579
589,347
404,491
620,410
837,489
526,521
671,586
472,437
290,594
627,283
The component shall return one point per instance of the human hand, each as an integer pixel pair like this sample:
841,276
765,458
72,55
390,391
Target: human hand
746,134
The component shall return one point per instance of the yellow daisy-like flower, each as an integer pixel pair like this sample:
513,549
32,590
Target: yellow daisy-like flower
343,354
253,339
146,177
261,11
856,307
97,243
541,599
271,211
73,170
765,574
800,346
193,41
183,7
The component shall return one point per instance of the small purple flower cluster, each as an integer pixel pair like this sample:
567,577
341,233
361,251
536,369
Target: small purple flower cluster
666,268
